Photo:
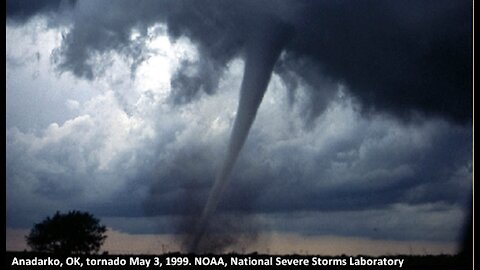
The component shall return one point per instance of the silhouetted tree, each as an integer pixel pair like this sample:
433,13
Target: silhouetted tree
72,233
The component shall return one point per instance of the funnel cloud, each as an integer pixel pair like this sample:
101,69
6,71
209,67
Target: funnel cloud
261,55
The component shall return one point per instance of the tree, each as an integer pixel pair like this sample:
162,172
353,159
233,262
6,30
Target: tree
72,233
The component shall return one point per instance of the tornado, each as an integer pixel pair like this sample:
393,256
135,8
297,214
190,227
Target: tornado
262,51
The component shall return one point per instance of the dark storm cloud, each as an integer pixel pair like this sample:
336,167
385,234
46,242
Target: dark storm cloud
193,78
21,10
394,56
355,174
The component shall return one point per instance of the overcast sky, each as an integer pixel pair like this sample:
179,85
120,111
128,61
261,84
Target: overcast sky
124,109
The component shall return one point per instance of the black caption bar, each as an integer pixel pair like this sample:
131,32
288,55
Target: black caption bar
29,260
